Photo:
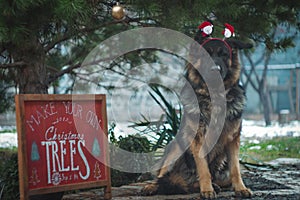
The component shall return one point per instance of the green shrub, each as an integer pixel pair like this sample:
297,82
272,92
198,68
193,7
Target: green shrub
164,129
134,143
131,143
9,178
168,125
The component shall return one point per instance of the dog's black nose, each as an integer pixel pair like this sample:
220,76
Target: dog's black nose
216,68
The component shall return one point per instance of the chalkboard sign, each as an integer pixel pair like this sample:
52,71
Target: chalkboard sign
62,143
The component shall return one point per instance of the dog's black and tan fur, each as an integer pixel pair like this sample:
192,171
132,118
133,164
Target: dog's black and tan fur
220,167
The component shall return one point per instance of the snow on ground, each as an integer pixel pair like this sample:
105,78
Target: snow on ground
8,137
8,140
256,129
250,130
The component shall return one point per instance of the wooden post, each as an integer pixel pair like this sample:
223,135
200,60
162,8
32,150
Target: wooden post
290,92
22,151
297,92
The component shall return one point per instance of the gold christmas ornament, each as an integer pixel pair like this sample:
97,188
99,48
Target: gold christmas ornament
118,11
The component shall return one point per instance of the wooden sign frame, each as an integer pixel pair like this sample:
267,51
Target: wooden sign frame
23,130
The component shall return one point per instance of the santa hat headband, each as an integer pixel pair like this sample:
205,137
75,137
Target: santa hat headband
207,29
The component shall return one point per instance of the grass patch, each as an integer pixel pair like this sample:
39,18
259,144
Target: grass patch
270,149
13,130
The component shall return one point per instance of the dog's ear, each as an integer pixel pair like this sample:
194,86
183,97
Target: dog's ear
237,44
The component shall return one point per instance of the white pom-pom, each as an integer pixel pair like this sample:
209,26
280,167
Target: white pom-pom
227,33
208,29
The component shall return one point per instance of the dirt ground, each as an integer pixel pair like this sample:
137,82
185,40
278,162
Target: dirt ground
276,181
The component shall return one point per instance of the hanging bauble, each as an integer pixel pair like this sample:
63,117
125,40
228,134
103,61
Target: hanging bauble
118,12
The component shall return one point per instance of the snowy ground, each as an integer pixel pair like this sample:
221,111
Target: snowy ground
8,137
257,129
250,130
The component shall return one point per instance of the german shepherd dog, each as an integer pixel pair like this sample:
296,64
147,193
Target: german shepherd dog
194,171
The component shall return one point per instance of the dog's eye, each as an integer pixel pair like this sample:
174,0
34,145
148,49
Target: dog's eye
210,51
223,53
226,54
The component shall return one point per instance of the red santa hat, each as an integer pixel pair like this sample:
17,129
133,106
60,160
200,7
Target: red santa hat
206,28
228,31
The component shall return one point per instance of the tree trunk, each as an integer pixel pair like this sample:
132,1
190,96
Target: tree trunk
32,76
265,100
32,79
266,107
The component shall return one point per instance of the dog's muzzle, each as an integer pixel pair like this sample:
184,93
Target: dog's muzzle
220,69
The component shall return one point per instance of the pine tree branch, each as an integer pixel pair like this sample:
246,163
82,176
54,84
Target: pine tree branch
73,66
12,65
62,72
69,35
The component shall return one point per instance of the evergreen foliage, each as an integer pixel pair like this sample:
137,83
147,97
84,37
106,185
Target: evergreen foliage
41,40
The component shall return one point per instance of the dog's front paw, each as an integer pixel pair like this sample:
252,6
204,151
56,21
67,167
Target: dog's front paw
243,193
149,189
208,194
